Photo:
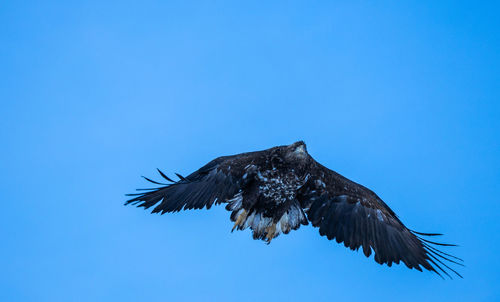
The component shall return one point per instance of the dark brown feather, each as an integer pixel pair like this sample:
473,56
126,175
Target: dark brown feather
272,191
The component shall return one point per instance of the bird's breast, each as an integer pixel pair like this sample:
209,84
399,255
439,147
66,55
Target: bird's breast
278,187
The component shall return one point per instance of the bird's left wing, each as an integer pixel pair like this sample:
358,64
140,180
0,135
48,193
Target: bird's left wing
213,183
352,214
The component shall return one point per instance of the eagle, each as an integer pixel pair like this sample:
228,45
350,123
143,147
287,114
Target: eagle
277,190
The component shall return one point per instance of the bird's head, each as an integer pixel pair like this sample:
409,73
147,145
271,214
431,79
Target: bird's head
297,150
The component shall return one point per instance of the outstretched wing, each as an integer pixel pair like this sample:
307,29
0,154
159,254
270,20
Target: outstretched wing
350,213
210,184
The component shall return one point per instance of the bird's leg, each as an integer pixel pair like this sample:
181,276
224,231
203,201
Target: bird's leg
240,220
270,232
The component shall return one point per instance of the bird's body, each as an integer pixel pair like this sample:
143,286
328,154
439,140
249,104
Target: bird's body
279,189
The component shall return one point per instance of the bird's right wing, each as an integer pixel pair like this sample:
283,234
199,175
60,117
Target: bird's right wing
210,184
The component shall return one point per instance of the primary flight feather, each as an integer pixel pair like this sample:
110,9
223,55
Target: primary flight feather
279,189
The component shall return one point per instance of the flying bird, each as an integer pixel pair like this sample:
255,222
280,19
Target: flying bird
277,190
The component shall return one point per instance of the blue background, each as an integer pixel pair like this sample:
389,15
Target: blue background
403,98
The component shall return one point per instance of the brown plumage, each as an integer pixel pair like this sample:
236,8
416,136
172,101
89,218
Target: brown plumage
279,189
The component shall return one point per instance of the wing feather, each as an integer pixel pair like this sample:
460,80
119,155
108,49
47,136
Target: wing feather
209,185
355,216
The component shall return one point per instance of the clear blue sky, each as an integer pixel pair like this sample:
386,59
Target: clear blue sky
403,98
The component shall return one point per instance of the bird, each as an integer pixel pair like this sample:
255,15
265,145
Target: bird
277,190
